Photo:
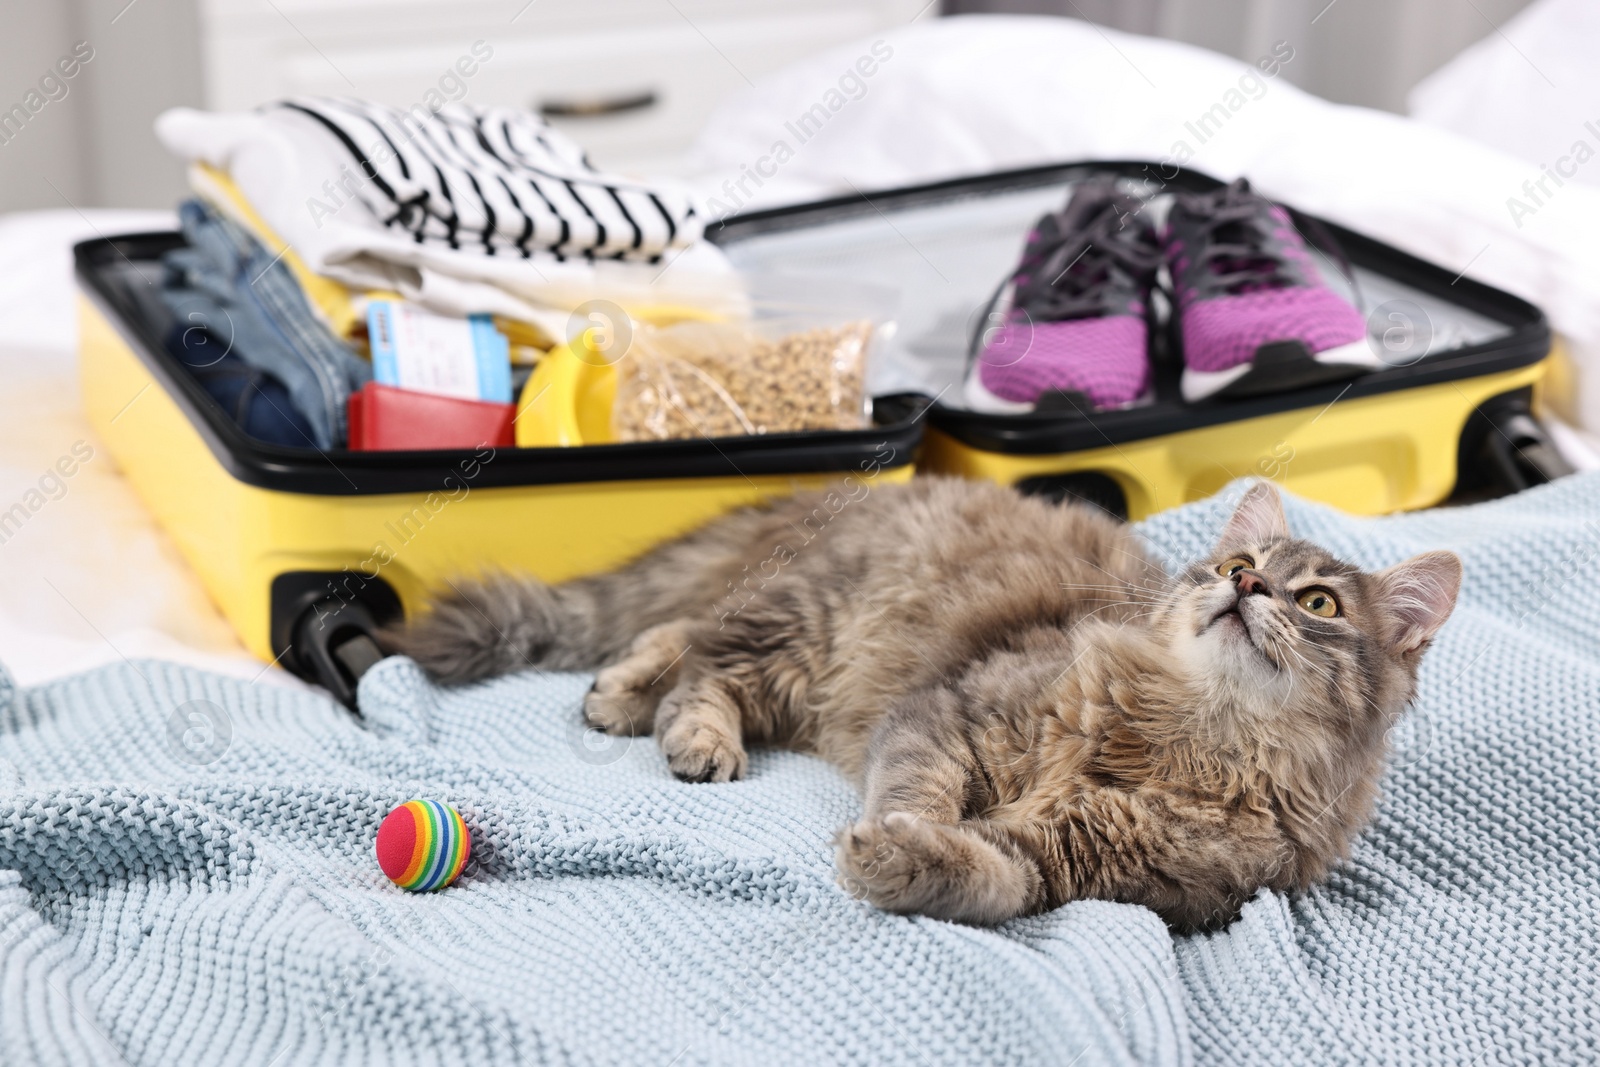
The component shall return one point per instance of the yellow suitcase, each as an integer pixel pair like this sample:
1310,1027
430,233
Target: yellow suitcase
306,553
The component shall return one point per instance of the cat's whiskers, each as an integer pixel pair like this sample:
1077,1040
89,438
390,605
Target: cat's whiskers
1124,579
1122,595
1107,607
1117,577
1292,645
1268,645
1153,613
1294,678
1163,593
1311,668
1145,562
1278,638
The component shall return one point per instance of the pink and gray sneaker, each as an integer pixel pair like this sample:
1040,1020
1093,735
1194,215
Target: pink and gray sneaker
1253,312
1073,314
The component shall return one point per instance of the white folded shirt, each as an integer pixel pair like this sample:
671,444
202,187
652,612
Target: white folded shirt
466,210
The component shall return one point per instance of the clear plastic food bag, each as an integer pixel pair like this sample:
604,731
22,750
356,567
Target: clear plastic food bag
719,379
791,354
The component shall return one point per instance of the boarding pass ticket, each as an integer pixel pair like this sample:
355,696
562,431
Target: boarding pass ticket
413,348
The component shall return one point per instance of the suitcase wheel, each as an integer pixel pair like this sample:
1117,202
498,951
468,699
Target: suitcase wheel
325,625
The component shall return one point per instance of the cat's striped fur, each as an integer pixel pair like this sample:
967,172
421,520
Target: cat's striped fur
1035,712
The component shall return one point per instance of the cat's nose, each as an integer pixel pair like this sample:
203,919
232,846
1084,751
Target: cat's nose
1248,582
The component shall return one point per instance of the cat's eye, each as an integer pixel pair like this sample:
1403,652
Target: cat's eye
1319,602
1235,565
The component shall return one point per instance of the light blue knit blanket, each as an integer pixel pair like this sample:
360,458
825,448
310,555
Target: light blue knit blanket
186,875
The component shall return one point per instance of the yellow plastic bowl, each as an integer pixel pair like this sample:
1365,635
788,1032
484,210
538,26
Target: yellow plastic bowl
569,396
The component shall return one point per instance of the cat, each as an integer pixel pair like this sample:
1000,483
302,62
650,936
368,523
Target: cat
1034,711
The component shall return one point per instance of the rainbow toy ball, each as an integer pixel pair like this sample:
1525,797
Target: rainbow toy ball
422,845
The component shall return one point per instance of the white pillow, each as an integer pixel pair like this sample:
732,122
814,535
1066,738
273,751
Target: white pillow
1531,90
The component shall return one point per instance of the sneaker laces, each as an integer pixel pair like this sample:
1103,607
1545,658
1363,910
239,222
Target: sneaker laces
1081,257
1235,257
1080,263
1241,265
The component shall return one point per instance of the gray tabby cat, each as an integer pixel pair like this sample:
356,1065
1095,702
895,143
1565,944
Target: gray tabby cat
1035,712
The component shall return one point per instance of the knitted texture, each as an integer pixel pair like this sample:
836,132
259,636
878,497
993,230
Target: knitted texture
186,875
158,909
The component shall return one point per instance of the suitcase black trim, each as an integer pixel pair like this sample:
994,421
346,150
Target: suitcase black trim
891,444
1043,433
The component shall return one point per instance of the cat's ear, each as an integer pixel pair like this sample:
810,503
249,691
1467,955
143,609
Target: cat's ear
1257,519
1420,594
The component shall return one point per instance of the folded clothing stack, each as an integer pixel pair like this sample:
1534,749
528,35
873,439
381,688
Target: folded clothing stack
479,230
463,210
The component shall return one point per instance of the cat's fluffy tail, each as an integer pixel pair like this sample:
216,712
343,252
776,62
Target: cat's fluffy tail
505,623
501,624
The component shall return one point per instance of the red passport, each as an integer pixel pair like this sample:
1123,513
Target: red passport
386,419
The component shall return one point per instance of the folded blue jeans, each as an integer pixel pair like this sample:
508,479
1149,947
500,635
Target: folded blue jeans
226,285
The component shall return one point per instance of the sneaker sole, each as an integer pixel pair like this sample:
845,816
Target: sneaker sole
980,399
1279,367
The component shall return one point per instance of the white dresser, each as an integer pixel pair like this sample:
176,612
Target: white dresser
631,80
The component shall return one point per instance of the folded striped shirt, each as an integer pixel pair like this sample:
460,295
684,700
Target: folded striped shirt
496,181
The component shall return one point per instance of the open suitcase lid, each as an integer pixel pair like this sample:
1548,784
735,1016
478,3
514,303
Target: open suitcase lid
107,268
947,245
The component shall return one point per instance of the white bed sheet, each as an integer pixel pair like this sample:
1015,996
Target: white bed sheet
88,577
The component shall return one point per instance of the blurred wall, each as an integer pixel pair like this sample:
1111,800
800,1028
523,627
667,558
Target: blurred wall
49,144
89,143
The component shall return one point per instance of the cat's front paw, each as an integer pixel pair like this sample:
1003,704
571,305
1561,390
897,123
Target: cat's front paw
621,712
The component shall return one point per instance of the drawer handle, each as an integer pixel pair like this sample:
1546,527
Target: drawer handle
583,109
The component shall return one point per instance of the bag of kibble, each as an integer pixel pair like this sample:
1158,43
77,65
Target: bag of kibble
719,379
